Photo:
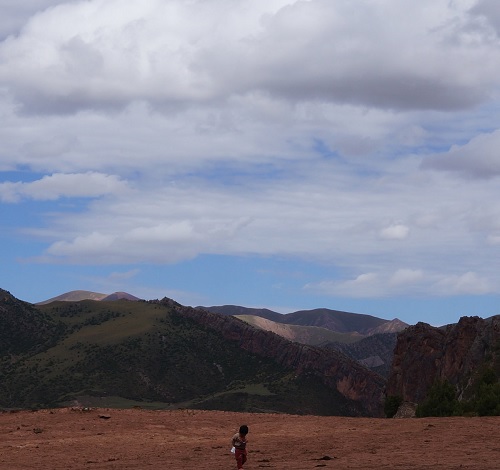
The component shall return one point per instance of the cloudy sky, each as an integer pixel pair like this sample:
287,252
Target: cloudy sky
266,153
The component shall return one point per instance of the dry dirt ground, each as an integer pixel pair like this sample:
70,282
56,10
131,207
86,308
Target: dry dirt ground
185,439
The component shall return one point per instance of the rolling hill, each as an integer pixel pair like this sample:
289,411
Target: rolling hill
162,354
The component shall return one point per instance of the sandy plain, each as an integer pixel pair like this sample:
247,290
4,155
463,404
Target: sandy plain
71,438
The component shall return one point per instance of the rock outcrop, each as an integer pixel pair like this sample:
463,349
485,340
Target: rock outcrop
456,353
406,410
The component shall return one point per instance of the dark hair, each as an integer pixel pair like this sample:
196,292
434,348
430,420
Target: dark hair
244,429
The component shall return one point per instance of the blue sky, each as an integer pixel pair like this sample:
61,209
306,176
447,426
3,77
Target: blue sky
280,154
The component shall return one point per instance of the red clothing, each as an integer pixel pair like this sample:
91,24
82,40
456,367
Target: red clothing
241,457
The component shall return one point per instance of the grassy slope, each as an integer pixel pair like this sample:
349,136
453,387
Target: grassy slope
129,352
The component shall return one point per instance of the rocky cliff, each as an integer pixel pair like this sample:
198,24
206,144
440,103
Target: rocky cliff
456,353
355,382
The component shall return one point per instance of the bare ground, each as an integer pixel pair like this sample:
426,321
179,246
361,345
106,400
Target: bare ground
185,439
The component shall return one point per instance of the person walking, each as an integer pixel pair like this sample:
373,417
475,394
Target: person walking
239,442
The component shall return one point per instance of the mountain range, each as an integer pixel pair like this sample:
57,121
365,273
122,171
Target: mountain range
87,348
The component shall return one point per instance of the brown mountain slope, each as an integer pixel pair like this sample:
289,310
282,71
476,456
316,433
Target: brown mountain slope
239,310
120,296
393,326
343,322
335,320
74,296
312,335
79,295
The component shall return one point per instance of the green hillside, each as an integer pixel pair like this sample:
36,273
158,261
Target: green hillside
127,353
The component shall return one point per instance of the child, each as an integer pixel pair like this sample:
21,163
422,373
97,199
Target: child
240,444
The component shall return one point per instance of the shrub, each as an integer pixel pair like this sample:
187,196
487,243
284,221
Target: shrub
391,405
441,401
487,399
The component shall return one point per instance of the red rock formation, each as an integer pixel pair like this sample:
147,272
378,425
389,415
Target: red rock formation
456,352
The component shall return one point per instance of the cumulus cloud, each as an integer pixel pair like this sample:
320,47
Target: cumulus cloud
15,14
107,53
58,185
479,158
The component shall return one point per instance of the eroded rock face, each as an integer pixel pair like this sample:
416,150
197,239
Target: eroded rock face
456,352
334,369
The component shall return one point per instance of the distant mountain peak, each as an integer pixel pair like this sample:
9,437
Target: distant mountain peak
120,296
392,326
78,295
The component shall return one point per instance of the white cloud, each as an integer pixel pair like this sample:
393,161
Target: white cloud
320,214
409,282
56,186
262,128
395,232
94,245
406,277
364,285
15,13
469,283
107,53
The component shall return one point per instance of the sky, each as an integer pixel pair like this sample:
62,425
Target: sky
266,153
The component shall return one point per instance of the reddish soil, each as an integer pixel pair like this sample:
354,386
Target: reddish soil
185,439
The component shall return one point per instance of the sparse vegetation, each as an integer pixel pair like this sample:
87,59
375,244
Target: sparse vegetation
391,405
486,401
442,399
